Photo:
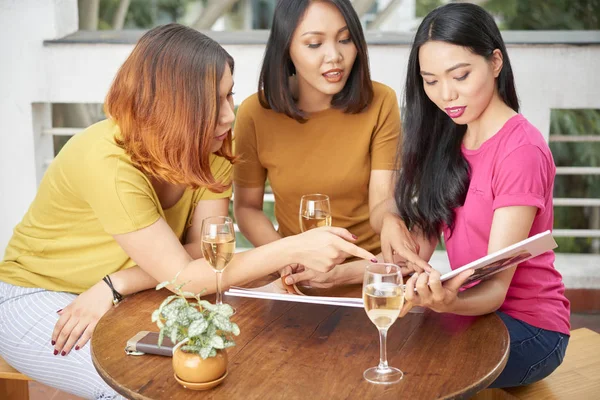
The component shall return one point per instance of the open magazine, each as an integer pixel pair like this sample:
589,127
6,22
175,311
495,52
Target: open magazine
484,268
506,258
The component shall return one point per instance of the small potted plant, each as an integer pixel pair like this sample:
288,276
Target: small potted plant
201,330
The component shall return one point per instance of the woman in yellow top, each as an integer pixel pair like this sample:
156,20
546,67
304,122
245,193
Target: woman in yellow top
318,124
125,199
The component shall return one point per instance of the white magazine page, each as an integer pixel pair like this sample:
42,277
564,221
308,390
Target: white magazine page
276,291
506,258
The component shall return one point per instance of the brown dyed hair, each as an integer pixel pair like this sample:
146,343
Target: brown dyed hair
165,101
274,91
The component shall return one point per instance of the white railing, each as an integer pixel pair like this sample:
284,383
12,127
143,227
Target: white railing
574,201
578,170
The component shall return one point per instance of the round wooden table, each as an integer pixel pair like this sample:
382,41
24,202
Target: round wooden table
309,351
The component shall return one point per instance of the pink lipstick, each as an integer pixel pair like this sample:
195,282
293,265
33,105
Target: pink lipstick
455,112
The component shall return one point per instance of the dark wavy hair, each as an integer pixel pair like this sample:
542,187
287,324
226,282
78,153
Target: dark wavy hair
434,176
274,91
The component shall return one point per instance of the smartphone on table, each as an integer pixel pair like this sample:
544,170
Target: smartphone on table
146,342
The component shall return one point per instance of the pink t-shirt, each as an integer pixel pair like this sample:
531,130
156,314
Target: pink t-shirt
513,168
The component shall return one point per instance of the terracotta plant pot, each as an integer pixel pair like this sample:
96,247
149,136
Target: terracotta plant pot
191,367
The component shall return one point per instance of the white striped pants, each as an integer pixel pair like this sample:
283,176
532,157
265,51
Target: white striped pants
27,319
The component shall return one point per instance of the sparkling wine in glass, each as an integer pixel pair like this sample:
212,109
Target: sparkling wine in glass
218,246
315,211
383,295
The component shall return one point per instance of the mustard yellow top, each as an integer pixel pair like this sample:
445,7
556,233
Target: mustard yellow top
90,192
333,153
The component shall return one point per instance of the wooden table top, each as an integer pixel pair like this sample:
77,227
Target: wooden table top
309,351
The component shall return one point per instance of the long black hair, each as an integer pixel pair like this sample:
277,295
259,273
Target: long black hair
434,176
274,91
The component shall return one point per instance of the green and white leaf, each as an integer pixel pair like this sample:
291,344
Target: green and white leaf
171,320
162,285
191,349
161,336
235,329
207,305
217,342
225,310
193,314
222,323
197,327
173,334
211,330
205,352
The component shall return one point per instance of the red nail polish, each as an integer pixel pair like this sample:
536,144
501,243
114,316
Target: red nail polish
53,342
373,260
55,352
59,311
63,354
354,237
76,347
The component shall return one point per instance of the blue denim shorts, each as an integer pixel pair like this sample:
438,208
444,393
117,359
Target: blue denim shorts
534,353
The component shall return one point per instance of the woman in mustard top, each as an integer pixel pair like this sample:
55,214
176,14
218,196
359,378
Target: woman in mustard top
125,199
318,124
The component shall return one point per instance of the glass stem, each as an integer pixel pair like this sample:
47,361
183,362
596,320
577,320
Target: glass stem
219,292
383,364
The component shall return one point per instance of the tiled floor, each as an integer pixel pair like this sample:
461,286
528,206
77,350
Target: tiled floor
37,391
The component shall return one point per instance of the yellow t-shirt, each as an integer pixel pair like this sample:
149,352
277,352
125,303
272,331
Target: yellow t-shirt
332,153
90,192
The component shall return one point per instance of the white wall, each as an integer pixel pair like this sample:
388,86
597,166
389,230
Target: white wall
548,76
24,24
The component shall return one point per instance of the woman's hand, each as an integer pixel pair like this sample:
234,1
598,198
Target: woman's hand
431,293
78,320
309,277
289,269
399,246
345,274
321,249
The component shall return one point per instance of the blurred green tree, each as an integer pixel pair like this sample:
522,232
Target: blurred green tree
546,14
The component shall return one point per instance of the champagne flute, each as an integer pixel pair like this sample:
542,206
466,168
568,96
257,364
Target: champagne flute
315,211
383,295
218,246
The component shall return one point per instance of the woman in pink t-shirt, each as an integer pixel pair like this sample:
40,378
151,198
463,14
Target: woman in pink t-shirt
478,172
